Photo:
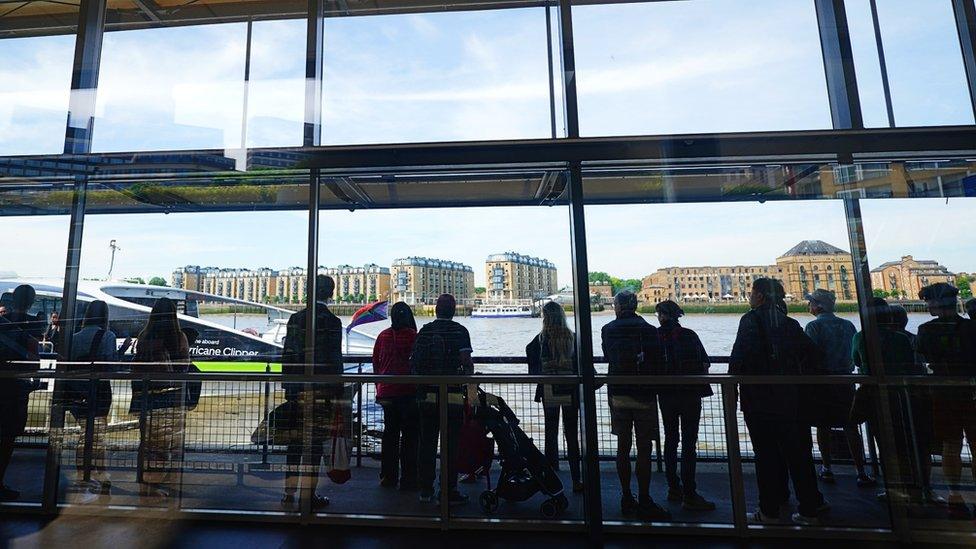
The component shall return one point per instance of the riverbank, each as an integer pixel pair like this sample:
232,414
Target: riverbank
742,308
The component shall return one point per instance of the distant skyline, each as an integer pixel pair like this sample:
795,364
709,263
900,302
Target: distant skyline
627,241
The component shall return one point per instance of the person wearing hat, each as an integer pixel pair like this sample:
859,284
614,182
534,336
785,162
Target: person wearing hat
834,336
681,405
948,344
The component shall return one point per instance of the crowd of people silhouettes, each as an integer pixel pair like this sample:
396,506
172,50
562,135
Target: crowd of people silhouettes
779,414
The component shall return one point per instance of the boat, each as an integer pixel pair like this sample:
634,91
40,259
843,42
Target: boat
488,310
217,347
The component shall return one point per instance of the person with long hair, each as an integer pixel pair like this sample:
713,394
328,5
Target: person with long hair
161,348
95,342
401,420
553,352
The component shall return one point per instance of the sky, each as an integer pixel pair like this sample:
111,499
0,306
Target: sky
662,67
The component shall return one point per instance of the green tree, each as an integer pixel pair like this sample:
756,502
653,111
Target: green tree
880,293
965,287
157,281
135,280
479,289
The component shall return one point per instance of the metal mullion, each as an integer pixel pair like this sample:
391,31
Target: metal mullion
883,64
734,456
838,58
872,339
965,12
78,136
312,135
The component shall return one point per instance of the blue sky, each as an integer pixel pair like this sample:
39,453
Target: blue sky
663,67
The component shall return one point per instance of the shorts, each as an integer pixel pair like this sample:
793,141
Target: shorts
640,420
952,417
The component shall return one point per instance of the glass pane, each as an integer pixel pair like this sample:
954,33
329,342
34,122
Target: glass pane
436,77
410,257
232,287
35,76
923,287
924,60
703,66
34,258
276,90
694,285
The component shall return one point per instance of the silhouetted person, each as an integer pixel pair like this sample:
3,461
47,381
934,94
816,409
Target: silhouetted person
443,347
553,352
910,407
631,347
162,348
401,420
834,336
53,331
948,344
321,398
681,405
971,309
19,336
770,343
95,342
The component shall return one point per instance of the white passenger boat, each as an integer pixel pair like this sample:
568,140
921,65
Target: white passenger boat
503,311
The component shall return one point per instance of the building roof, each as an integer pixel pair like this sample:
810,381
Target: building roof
813,247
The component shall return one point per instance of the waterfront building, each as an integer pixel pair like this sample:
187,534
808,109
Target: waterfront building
601,289
904,278
416,280
512,276
370,282
809,265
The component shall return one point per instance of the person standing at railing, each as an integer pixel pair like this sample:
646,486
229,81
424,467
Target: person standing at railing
948,344
910,407
19,336
442,348
834,336
770,343
681,405
95,342
631,347
401,422
328,361
971,309
161,348
553,352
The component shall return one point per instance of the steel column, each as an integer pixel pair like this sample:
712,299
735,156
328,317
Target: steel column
838,57
312,137
965,11
883,63
592,501
78,136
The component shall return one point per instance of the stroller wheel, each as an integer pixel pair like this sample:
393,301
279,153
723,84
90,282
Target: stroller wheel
562,502
550,508
488,501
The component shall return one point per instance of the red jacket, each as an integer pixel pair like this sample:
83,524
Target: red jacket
391,356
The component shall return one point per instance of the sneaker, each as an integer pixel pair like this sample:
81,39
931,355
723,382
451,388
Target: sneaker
826,475
320,502
426,495
628,506
761,518
105,487
695,502
287,500
454,498
653,512
804,520
932,498
866,481
8,494
675,493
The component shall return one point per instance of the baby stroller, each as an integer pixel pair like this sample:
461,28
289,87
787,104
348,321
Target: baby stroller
525,470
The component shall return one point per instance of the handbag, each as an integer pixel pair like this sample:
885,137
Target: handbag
281,427
338,470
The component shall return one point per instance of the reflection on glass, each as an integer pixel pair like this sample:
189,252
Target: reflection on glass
35,79
436,77
703,66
